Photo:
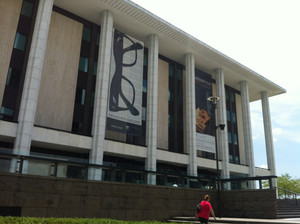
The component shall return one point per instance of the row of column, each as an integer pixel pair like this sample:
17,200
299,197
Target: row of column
31,91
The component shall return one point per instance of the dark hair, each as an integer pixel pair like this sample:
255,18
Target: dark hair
206,197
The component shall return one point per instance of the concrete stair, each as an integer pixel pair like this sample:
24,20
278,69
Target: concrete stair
289,208
191,220
187,220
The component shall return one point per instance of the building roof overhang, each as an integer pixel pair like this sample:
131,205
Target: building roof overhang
173,42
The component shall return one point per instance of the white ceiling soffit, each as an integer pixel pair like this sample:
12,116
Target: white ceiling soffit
173,42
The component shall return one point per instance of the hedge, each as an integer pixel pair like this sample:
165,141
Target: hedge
31,220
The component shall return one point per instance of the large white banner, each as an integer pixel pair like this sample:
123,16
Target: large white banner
205,140
205,143
126,83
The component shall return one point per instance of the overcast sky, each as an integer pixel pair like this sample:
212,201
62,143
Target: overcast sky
263,35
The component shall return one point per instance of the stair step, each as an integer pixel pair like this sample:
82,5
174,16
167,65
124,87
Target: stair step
287,216
288,208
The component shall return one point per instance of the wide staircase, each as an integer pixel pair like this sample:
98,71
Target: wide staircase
288,208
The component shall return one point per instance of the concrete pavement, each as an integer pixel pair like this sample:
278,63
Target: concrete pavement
254,221
189,220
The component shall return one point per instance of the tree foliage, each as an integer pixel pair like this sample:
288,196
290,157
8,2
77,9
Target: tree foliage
286,182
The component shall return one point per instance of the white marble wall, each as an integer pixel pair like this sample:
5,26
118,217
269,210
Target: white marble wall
152,94
247,130
101,94
222,135
268,134
190,114
32,80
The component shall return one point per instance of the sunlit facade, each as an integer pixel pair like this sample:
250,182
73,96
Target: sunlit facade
107,82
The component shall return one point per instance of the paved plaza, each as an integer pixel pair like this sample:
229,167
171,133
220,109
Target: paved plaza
254,221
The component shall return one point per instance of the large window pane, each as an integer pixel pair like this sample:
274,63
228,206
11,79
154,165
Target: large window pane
7,111
228,115
83,64
233,97
20,42
86,34
13,77
80,96
235,139
234,117
95,68
27,8
229,138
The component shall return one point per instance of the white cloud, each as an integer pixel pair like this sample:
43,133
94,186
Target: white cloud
263,166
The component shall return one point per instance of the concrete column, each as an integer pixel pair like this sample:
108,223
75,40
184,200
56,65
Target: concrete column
190,113
32,82
101,94
222,135
247,131
152,92
268,132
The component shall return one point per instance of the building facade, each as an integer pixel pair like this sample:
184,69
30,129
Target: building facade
108,83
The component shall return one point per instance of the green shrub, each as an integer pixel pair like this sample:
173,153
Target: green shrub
31,220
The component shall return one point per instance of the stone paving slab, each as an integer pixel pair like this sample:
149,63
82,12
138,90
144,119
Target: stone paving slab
254,221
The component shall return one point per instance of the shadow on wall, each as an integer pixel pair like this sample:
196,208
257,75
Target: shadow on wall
55,197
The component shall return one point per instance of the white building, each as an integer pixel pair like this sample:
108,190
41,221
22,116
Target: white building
107,82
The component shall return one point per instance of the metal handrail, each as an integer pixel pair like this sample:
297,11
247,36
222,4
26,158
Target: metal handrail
55,162
183,179
294,194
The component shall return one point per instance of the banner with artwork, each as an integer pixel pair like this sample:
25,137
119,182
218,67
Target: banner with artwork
205,140
125,88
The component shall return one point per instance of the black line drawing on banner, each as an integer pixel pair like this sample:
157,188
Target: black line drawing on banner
118,77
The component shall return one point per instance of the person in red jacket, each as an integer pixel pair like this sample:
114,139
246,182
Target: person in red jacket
205,210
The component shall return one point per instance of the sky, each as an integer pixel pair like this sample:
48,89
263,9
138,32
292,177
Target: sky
263,35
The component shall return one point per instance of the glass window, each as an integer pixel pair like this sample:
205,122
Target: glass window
98,39
145,59
179,74
228,115
229,137
180,124
13,77
171,121
235,139
144,113
7,111
179,97
92,99
171,95
144,85
234,117
80,96
5,165
95,68
171,70
232,97
20,41
83,64
237,160
27,8
86,34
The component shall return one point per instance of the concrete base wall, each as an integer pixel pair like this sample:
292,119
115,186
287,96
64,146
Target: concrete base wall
55,197
249,204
